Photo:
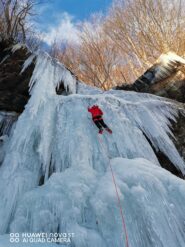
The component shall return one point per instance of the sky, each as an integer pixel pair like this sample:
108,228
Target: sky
59,19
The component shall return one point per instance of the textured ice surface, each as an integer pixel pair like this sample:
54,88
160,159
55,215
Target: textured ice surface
84,202
48,74
54,144
7,119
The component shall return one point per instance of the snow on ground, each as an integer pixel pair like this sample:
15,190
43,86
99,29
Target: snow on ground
55,175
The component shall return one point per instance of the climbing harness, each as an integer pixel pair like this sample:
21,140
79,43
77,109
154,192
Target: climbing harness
118,198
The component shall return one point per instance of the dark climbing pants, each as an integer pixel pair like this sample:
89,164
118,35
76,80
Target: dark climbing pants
99,122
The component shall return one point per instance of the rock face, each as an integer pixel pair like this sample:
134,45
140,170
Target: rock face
179,132
173,90
13,85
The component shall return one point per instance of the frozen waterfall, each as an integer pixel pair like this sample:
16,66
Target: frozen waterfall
55,174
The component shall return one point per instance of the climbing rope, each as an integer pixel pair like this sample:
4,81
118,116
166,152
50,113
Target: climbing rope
119,201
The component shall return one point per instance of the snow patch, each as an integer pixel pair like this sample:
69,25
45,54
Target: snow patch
171,57
16,47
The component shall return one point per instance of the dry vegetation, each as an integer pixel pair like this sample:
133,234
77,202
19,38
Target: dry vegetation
15,25
119,47
114,48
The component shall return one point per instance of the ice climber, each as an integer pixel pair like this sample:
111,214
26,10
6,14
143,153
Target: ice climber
97,114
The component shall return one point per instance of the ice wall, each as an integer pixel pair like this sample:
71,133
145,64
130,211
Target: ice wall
56,176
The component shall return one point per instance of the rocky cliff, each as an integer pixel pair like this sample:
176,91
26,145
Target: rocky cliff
13,85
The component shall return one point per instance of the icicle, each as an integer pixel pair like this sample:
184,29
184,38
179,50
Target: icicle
28,62
16,47
4,59
6,122
45,66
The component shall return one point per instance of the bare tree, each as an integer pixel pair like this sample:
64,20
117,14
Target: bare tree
144,29
13,18
122,45
95,59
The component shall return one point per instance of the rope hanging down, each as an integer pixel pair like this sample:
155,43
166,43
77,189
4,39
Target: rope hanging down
119,202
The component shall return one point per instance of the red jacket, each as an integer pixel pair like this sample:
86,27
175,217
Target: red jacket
95,111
